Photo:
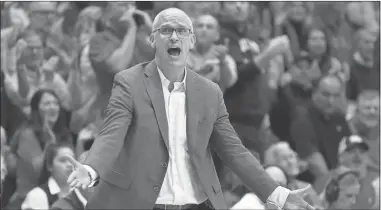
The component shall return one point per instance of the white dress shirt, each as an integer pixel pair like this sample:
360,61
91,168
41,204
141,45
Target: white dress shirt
181,185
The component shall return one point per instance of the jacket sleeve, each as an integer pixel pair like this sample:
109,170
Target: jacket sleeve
118,116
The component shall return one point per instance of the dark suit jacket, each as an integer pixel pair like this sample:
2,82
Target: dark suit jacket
131,149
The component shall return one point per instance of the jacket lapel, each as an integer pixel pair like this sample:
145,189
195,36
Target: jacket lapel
193,101
155,92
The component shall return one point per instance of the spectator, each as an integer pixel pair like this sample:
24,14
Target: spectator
76,199
282,155
342,190
294,23
53,179
318,129
352,154
84,107
366,123
251,201
362,74
208,59
47,125
33,74
113,48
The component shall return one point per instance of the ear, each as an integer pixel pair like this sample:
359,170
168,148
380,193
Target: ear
152,40
192,40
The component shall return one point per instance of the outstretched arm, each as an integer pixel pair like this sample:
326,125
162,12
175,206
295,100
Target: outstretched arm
118,116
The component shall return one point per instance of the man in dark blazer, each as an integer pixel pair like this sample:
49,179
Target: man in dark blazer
161,123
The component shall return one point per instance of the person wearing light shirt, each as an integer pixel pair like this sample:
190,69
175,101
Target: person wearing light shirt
161,123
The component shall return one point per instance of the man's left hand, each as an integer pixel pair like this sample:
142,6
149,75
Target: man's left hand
295,199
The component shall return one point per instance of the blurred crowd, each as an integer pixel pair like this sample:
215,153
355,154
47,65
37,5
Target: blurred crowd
300,81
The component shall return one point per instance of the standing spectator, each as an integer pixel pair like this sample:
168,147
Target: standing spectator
53,179
318,129
294,23
112,49
48,124
363,76
352,154
366,123
207,58
341,191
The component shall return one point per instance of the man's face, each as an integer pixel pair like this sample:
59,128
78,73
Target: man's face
42,15
33,54
327,96
206,30
354,158
368,111
237,10
289,162
347,196
297,11
172,38
317,42
366,45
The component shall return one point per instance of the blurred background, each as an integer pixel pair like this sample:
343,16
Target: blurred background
301,83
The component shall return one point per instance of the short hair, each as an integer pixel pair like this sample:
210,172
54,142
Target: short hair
211,15
271,155
368,95
158,19
323,78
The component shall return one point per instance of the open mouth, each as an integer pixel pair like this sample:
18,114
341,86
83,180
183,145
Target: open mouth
174,51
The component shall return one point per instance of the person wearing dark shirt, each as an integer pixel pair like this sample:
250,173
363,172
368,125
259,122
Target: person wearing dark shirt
363,75
119,44
318,129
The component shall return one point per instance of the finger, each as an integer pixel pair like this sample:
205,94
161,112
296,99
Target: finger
84,187
302,191
72,161
73,183
78,185
309,207
71,177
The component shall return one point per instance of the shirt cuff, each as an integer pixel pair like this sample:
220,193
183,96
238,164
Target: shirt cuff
93,175
278,197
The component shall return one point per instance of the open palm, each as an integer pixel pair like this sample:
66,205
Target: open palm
295,199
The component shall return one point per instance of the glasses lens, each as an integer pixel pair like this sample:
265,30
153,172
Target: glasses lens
166,31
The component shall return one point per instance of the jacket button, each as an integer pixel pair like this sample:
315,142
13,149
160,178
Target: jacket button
157,189
164,165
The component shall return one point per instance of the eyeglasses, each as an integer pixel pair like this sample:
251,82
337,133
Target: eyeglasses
180,32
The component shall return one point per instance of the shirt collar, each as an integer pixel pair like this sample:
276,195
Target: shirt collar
165,82
54,189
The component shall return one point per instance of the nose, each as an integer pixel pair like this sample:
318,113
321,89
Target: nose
174,36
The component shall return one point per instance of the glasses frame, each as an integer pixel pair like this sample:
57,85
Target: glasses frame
174,30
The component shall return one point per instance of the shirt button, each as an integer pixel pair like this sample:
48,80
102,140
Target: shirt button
164,165
157,189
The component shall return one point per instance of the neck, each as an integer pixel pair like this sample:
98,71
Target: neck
62,184
172,72
203,48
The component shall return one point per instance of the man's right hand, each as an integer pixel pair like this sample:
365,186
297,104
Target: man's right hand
80,176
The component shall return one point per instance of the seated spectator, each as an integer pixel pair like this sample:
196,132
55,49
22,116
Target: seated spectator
47,125
318,129
76,199
366,123
352,154
8,167
251,201
342,190
363,75
208,59
282,155
120,43
53,179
